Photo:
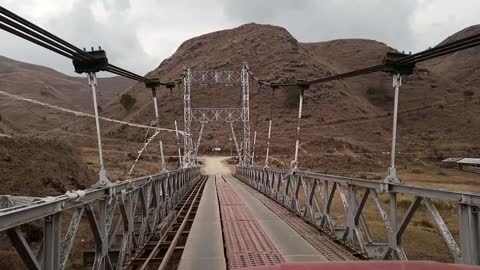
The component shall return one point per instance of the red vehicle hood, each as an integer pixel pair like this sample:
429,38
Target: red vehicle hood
367,265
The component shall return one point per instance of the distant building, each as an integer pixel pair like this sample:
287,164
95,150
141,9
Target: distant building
450,162
216,149
463,164
469,164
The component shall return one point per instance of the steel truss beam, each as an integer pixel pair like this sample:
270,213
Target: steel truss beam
217,114
315,206
216,77
122,217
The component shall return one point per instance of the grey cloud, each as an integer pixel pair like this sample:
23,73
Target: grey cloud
80,27
160,25
118,37
312,20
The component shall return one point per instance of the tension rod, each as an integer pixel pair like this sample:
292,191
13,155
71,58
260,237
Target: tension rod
157,120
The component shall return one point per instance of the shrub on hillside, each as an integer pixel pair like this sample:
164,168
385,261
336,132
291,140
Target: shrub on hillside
379,94
468,93
127,101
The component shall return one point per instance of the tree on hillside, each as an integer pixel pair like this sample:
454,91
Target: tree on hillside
127,101
379,94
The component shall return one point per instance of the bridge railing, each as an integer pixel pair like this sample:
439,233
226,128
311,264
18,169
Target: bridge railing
121,219
338,206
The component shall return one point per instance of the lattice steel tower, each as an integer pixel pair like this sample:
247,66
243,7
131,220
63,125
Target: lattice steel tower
205,115
187,117
247,154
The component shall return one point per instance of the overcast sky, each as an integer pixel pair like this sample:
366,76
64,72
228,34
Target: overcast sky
139,34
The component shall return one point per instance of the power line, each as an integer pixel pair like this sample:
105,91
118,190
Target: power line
18,26
438,51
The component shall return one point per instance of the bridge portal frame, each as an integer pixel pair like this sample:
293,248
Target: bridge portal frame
228,115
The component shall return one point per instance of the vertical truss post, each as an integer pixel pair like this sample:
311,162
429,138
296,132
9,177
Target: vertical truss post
253,150
178,146
157,120
92,81
469,233
246,160
51,240
268,142
393,244
392,171
187,118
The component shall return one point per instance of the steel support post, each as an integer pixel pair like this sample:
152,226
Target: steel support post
268,143
92,81
157,120
469,233
178,146
51,242
294,163
392,171
392,235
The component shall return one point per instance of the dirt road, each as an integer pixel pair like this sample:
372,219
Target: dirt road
215,165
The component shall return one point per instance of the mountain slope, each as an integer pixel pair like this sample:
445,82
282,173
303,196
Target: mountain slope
348,120
462,66
46,85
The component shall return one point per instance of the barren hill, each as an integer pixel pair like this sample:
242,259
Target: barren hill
50,86
462,66
345,121
27,167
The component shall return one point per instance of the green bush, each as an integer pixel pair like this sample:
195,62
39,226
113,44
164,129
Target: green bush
127,101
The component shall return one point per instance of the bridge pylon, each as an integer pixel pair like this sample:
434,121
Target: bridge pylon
227,115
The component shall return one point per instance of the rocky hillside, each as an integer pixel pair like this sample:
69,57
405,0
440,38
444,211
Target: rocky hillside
41,167
46,85
463,66
345,121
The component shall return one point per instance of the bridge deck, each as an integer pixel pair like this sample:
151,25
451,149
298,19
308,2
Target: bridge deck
234,226
204,247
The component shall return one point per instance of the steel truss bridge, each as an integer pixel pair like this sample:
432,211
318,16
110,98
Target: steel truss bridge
181,219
